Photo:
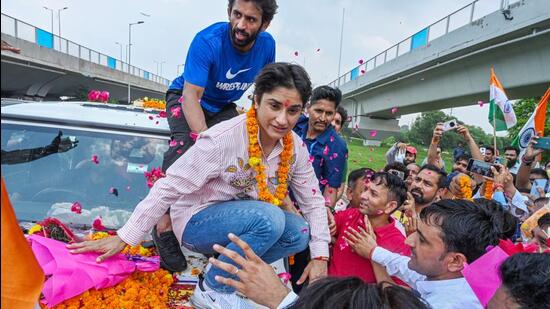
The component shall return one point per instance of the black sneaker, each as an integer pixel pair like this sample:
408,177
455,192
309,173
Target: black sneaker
171,257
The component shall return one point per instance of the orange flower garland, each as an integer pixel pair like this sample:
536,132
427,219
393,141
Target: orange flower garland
140,290
488,193
255,160
154,103
465,188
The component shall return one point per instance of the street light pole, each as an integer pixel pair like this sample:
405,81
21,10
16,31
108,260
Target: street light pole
59,23
341,41
178,68
157,63
161,68
121,59
51,10
130,54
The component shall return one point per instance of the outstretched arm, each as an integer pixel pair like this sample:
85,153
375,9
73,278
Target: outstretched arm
474,149
433,157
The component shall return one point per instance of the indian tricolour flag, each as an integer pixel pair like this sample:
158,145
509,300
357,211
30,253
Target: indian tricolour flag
501,113
535,124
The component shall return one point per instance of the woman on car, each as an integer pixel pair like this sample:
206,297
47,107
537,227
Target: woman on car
232,181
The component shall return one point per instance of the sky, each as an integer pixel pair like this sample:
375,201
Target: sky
304,26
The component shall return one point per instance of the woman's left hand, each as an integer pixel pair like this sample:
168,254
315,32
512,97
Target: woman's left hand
109,246
316,269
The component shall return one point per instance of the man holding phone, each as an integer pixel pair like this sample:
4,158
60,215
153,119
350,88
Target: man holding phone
435,158
527,174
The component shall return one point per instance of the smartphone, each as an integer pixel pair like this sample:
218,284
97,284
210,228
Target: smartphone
400,156
450,125
538,183
543,143
397,173
482,150
502,161
480,167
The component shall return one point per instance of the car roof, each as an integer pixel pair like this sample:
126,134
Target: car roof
87,114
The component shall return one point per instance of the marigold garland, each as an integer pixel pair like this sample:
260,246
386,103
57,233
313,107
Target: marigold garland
488,192
465,185
140,290
150,103
255,161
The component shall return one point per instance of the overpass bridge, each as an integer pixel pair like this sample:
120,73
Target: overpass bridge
445,65
50,66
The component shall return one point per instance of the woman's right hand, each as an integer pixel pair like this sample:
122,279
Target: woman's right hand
109,246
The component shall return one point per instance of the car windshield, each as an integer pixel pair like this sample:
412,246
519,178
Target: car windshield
47,170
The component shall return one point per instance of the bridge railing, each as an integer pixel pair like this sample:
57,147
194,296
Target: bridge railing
461,17
28,32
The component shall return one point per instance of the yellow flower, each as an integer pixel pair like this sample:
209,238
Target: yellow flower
35,228
99,235
253,161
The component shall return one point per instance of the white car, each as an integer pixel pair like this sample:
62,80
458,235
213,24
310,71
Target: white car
98,159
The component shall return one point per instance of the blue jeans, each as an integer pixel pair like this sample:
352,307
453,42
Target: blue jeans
270,232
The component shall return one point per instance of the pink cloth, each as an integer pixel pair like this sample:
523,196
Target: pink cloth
216,169
69,275
483,275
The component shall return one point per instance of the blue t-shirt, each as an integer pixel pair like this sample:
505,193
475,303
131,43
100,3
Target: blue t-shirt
224,72
329,153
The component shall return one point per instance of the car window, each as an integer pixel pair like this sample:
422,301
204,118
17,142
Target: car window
46,170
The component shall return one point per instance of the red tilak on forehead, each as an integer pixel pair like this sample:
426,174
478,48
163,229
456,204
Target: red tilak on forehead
287,103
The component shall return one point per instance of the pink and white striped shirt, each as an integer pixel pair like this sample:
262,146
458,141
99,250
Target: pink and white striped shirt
216,169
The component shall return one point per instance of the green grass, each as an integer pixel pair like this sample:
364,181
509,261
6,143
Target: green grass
374,157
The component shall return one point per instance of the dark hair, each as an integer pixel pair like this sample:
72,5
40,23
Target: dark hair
543,200
353,293
526,277
356,175
268,8
512,148
343,113
469,227
442,182
397,189
463,157
327,93
544,220
398,166
282,74
509,226
540,172
491,148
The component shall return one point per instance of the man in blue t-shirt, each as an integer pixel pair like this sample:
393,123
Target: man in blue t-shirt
221,64
328,155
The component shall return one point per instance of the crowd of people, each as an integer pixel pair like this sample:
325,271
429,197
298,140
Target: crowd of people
273,183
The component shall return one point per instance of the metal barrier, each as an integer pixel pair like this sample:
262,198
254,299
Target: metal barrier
461,17
22,30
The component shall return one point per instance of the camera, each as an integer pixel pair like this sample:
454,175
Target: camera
450,125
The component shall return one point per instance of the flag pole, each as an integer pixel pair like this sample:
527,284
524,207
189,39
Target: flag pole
495,130
494,105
